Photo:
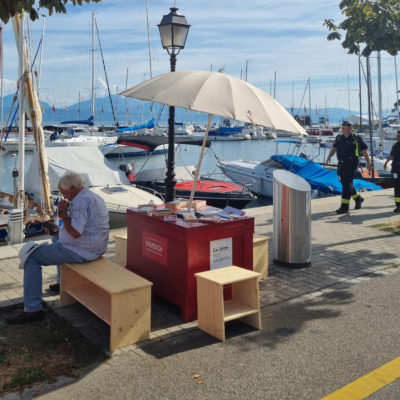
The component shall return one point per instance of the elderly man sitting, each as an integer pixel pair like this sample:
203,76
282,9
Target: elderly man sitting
83,236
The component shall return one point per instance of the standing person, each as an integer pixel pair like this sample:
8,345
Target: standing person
348,147
83,237
395,156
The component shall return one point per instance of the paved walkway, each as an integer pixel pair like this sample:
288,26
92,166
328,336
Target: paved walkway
345,250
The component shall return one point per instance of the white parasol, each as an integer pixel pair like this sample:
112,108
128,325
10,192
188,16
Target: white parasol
215,93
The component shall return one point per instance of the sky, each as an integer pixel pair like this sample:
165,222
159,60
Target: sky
285,39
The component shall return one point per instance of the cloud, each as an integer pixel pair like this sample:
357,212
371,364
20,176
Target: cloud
287,37
9,87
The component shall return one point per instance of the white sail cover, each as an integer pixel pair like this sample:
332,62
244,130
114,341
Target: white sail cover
89,162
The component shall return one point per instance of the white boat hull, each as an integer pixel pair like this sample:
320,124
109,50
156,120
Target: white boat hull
253,175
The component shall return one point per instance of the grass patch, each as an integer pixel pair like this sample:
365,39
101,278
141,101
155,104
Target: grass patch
392,226
41,351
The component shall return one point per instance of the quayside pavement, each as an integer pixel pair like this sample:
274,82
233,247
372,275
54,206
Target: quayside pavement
346,250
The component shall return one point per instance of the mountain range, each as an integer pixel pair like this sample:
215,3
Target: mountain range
131,111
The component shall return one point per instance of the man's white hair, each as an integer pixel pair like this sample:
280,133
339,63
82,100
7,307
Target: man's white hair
71,179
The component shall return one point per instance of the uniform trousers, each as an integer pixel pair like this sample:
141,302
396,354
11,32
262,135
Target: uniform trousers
396,185
346,171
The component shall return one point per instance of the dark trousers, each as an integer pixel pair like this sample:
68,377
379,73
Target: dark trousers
396,185
346,171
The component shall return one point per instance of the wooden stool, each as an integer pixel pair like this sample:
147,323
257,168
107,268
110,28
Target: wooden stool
260,255
213,311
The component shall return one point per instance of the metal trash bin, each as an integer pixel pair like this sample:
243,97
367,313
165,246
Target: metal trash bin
15,226
292,220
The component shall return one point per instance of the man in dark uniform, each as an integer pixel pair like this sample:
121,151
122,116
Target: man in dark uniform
395,156
348,147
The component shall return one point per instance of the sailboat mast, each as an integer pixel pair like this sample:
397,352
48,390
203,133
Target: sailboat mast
41,56
2,102
148,39
348,96
397,89
292,99
309,97
149,49
126,88
21,128
380,106
93,67
1,78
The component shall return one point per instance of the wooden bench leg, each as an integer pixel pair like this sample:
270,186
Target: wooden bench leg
66,279
210,302
130,318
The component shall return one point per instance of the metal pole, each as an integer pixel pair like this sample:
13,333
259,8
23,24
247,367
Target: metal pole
170,180
380,106
2,100
397,90
370,116
359,88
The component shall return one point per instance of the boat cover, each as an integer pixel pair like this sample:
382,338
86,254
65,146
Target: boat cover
149,142
88,121
148,125
89,162
318,177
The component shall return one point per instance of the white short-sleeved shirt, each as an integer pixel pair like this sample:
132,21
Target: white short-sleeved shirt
89,216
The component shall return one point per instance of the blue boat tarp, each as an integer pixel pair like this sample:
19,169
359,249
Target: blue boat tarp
225,131
147,125
88,121
320,178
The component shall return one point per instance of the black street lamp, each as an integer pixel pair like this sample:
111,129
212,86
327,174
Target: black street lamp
173,32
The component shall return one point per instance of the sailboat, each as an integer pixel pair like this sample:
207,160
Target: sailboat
25,212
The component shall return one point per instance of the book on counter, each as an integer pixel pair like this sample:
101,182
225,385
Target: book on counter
161,212
209,210
186,215
199,205
177,204
231,213
143,210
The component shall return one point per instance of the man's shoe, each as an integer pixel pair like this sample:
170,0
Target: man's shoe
55,287
26,317
397,209
359,200
342,210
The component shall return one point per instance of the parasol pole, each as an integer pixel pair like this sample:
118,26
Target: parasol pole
196,175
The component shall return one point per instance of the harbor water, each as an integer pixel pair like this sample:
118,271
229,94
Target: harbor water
188,155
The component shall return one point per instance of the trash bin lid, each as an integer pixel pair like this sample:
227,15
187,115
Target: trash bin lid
291,180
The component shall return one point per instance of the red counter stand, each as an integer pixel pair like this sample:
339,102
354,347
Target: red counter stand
169,253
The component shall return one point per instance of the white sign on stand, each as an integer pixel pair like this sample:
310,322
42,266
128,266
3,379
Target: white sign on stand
220,253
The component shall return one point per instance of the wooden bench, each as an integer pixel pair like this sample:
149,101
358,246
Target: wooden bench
119,297
120,248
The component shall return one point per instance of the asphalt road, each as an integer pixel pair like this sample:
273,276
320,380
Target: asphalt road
308,348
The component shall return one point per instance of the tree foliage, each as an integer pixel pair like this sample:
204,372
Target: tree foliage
370,25
8,8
